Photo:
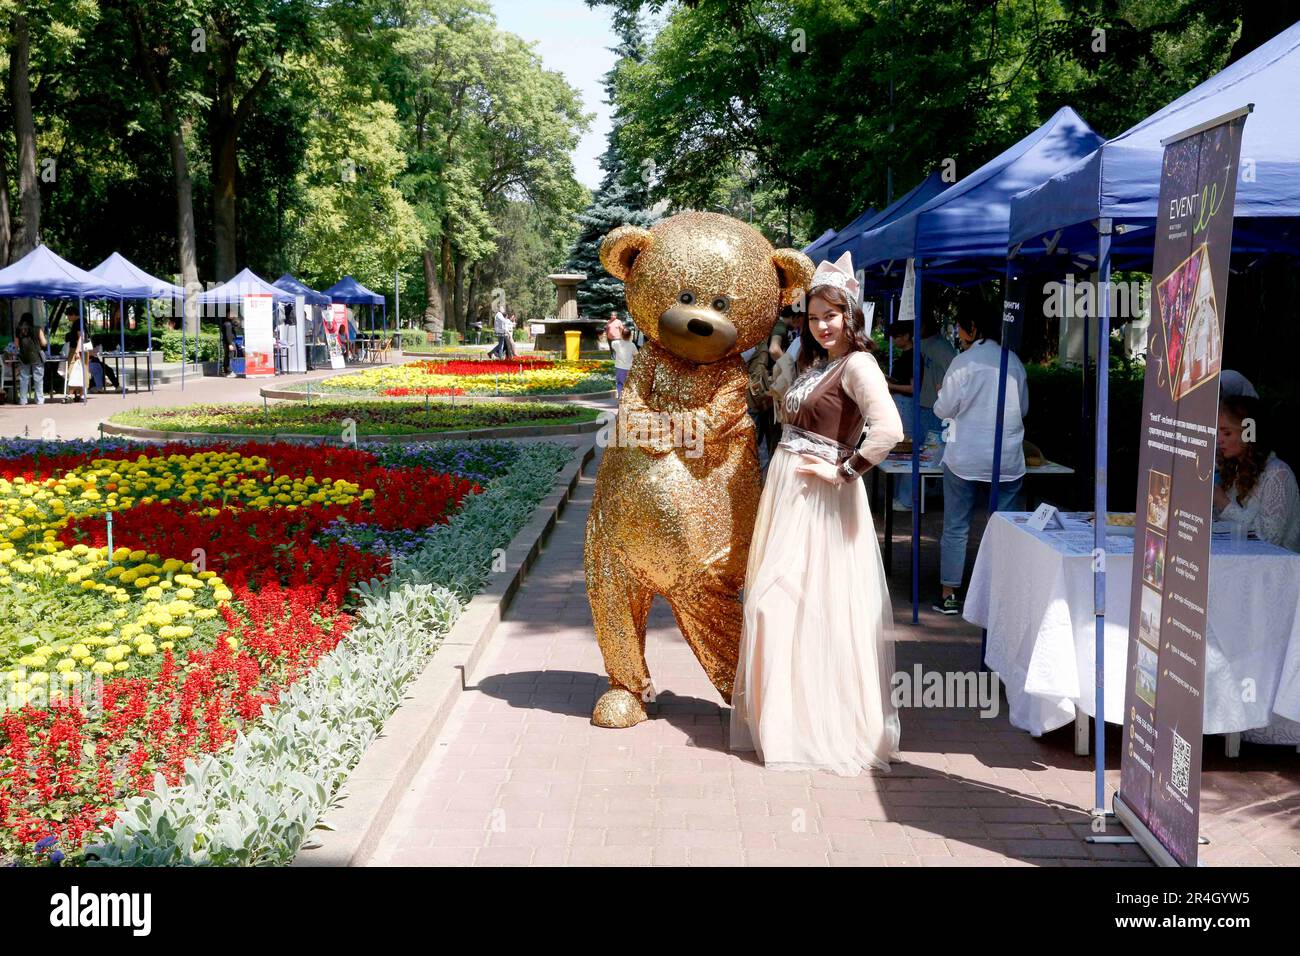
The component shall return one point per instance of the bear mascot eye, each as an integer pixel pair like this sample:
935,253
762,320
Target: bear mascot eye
686,298
721,303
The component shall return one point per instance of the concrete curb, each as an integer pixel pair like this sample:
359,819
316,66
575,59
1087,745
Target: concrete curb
375,786
292,396
519,431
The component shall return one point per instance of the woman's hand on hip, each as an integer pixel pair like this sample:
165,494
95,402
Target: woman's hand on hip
820,468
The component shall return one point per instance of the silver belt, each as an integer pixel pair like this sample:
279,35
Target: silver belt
802,441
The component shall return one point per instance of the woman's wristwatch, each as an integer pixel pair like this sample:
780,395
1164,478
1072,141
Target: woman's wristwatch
846,470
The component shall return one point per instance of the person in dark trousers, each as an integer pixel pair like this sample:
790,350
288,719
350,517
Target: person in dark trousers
31,360
228,342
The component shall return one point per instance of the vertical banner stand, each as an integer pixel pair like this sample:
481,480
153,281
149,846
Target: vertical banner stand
1099,506
916,450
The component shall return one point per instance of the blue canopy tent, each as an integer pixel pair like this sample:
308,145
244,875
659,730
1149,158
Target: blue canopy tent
132,282
831,251
815,249
305,296
849,239
351,292
232,292
309,295
42,274
1100,212
960,236
1120,181
819,251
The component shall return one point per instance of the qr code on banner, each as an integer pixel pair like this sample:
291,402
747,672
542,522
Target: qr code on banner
1182,764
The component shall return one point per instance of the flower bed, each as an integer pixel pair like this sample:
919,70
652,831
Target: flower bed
525,375
256,801
368,418
227,587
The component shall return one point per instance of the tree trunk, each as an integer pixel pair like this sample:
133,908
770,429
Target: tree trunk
186,247
458,293
177,130
433,313
471,307
225,119
446,275
29,185
225,166
5,226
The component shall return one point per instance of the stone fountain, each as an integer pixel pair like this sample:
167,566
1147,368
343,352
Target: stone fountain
567,318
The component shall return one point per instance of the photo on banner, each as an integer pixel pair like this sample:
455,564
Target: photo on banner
259,334
1164,705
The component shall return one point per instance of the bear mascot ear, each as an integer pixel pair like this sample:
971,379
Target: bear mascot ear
620,248
794,271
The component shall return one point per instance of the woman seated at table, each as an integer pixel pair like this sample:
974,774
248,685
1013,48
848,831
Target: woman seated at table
1254,487
100,371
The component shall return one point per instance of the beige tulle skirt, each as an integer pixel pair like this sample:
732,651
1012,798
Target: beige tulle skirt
812,688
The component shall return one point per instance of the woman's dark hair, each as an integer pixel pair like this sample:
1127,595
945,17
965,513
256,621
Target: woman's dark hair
1243,473
980,325
810,350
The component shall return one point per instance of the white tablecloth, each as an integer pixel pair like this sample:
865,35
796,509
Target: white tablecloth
1032,592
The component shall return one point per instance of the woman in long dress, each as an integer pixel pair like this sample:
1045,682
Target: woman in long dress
812,687
75,351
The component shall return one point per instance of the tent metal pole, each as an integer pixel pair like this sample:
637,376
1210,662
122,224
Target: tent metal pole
995,479
121,326
916,451
1099,505
1085,413
889,338
81,348
148,322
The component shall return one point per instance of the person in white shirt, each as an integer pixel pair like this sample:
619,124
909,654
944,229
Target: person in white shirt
501,326
967,405
624,350
1255,488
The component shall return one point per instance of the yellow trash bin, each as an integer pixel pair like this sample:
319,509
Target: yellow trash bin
572,346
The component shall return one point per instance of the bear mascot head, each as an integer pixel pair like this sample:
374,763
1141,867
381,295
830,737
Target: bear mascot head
678,486
701,286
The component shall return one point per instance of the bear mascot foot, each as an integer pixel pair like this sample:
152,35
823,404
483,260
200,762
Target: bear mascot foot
618,708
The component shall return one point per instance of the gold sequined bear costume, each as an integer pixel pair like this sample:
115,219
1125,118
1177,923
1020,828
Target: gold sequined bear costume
678,486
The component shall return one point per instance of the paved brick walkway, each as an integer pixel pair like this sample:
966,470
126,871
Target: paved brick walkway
520,776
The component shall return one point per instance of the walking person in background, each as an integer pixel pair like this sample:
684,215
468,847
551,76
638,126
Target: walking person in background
74,351
31,359
614,327
500,325
967,403
511,321
228,342
624,350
